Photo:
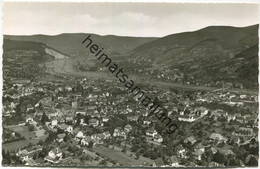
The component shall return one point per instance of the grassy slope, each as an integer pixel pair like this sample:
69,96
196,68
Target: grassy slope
22,59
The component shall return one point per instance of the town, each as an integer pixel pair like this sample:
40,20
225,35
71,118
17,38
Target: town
86,122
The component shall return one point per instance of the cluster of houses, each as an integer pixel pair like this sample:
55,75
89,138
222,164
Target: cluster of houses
83,109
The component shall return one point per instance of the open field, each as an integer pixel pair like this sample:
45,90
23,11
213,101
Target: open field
14,146
121,157
30,138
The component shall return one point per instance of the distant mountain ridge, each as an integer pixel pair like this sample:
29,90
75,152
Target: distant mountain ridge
70,43
215,53
209,55
225,38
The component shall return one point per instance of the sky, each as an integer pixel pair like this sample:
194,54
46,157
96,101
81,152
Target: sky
125,19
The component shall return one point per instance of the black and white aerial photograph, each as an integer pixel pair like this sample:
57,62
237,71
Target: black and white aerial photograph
130,84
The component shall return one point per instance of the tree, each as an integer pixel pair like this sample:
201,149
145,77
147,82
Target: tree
44,118
219,158
124,150
3,153
90,144
8,157
67,138
40,142
4,157
251,161
103,162
31,128
232,161
35,156
44,152
52,136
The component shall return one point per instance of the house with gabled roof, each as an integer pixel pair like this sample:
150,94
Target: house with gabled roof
106,135
93,122
54,156
85,141
218,137
190,139
151,132
118,132
60,137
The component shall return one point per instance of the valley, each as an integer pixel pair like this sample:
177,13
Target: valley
63,108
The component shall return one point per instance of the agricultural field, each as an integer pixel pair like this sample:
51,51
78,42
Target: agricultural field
121,158
30,138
